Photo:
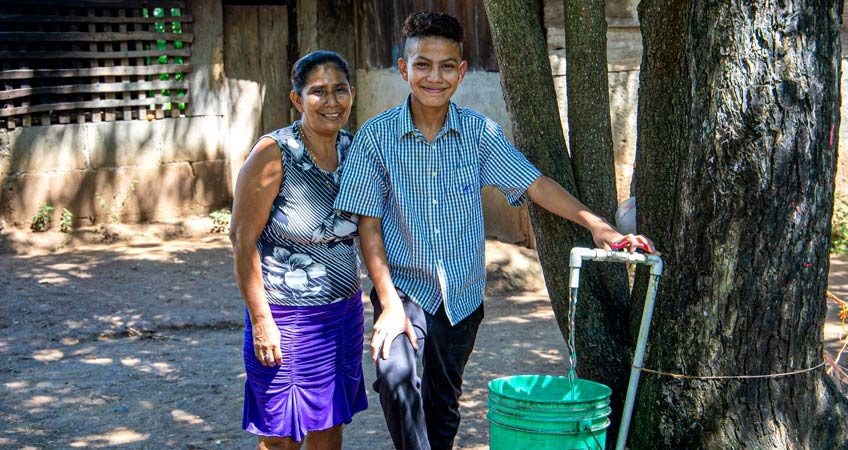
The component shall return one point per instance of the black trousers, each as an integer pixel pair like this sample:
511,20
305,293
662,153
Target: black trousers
423,413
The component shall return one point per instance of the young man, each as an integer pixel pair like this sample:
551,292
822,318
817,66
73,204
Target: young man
414,176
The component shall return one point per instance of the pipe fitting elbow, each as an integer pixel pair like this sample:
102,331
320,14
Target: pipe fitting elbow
578,254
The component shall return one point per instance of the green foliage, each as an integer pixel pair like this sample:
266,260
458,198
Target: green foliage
43,218
66,221
839,226
220,220
117,203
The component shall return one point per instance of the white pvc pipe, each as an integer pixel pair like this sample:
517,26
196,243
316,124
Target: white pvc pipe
578,254
638,357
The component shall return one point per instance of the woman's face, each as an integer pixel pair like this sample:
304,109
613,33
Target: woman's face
325,100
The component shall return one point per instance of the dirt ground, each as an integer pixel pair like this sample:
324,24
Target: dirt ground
137,344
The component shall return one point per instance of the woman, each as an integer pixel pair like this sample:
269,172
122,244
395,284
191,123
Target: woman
297,270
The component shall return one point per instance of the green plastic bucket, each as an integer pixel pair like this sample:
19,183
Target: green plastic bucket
542,412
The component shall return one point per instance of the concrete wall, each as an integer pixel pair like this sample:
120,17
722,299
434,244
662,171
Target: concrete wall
71,166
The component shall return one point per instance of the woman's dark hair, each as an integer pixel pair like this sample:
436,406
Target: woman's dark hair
306,65
427,23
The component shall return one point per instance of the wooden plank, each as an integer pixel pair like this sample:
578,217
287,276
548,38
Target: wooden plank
109,113
97,3
24,36
11,122
273,61
127,111
376,19
184,52
241,41
37,18
21,74
96,116
77,64
88,104
466,15
141,111
486,57
172,104
5,64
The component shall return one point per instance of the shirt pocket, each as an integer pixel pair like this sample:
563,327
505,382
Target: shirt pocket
463,198
465,183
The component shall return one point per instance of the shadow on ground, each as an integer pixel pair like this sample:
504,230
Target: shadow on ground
138,346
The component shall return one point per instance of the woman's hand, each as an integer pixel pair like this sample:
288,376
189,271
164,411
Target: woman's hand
266,343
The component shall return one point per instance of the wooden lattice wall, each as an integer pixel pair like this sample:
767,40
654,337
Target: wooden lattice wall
76,61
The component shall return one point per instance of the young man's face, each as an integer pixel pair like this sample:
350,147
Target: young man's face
433,68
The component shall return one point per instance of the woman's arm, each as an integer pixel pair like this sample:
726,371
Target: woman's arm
256,188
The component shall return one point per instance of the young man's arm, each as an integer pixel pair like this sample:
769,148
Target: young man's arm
548,194
363,192
505,168
392,320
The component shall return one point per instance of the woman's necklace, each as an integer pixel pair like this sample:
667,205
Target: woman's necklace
307,144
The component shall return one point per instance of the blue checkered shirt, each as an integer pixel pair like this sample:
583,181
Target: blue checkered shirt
428,197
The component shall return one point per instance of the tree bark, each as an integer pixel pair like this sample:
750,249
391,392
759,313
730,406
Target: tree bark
531,101
590,142
739,106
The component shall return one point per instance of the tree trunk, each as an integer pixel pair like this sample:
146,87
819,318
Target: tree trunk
531,100
739,106
590,141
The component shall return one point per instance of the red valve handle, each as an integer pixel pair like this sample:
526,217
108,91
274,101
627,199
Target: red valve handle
623,244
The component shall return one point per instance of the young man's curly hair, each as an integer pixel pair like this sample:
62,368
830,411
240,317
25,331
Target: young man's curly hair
427,24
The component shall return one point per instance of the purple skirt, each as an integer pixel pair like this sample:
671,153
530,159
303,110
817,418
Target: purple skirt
319,384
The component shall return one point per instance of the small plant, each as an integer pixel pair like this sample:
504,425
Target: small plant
220,220
43,218
839,227
116,205
66,221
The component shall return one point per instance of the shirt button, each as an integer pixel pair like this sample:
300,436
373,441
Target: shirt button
434,174
436,231
435,202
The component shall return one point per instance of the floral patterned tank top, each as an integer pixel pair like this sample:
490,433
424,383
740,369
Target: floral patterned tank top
307,249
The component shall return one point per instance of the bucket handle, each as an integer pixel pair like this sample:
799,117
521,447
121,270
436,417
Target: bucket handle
587,427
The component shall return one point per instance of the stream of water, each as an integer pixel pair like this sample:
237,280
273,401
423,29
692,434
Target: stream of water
572,349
